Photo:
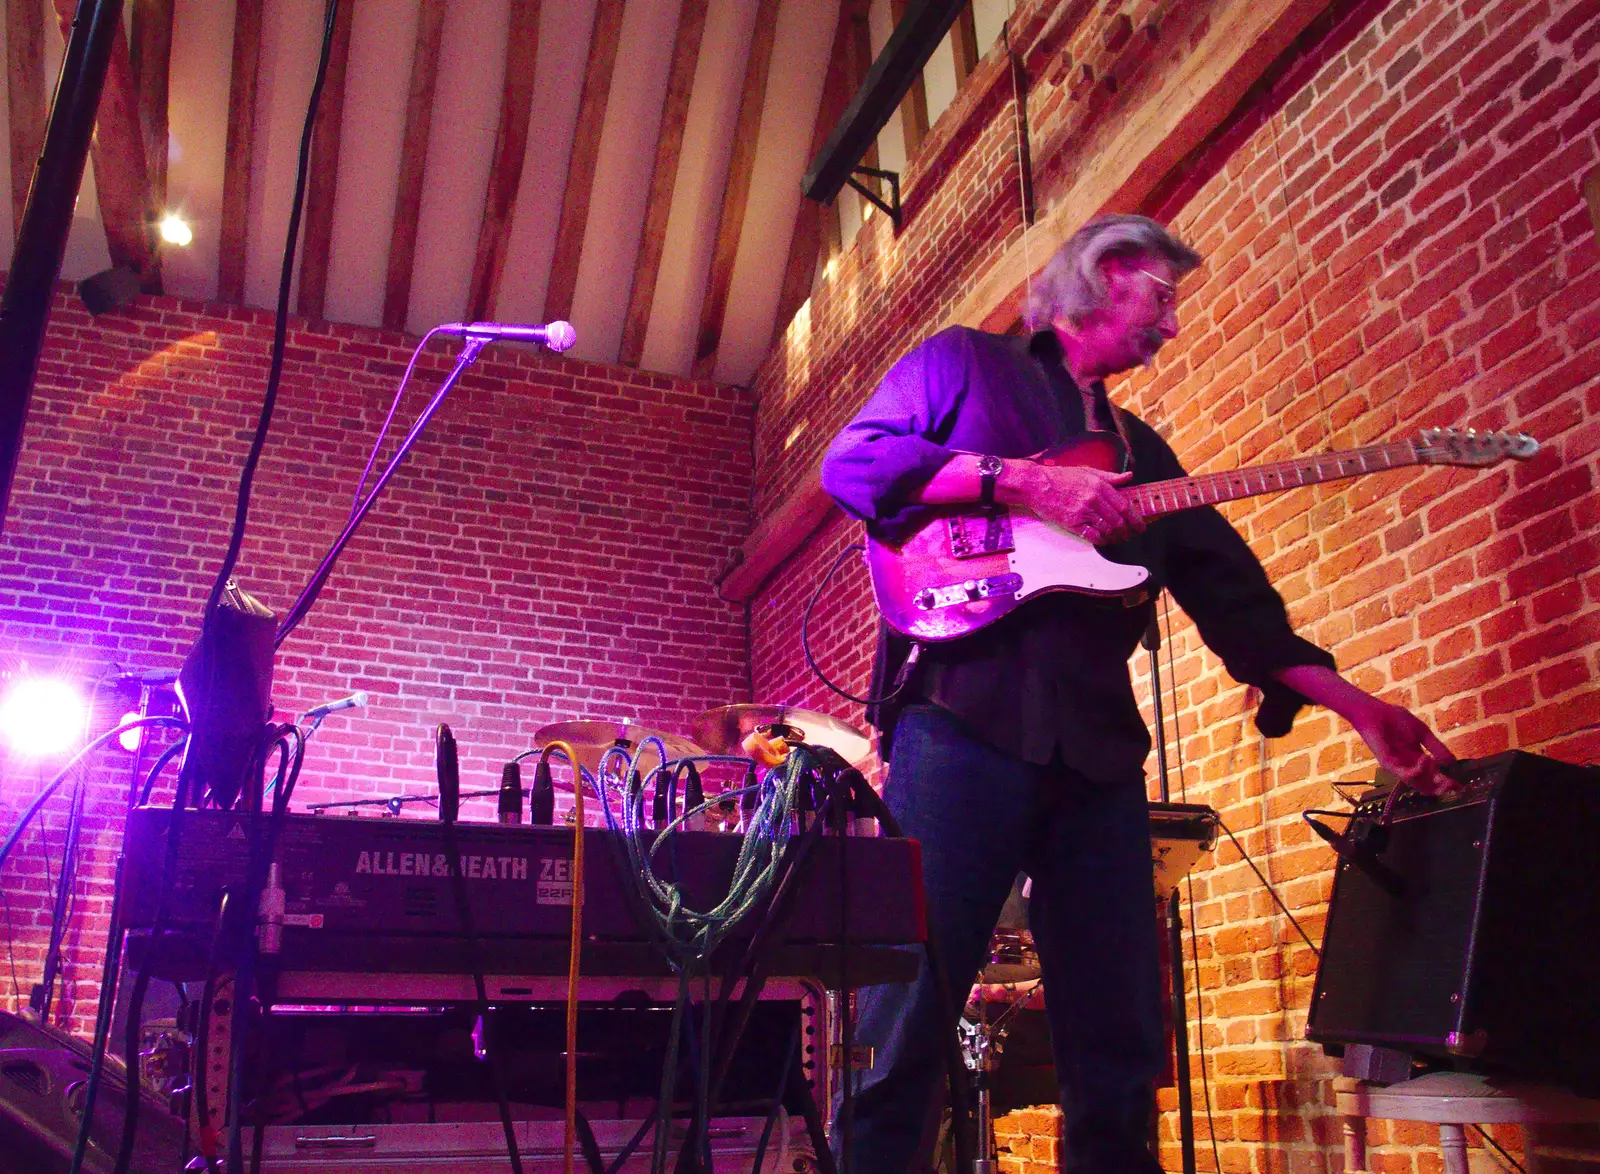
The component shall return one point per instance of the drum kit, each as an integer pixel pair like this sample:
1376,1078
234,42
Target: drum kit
749,731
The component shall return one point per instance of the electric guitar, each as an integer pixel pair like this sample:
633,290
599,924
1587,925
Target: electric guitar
966,567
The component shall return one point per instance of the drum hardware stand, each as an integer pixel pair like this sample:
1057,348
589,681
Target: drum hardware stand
982,1041
1180,1021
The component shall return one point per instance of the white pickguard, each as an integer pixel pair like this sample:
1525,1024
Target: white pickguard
1047,556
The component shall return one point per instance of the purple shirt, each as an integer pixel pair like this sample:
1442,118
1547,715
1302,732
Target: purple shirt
1050,682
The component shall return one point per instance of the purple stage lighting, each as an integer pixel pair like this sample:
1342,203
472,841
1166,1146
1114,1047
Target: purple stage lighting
130,739
42,716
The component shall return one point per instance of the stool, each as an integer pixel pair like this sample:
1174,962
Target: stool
1456,1099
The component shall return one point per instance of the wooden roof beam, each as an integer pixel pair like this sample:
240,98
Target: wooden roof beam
663,178
805,242
736,193
510,151
121,179
964,41
237,161
413,161
25,89
150,45
322,184
914,106
574,220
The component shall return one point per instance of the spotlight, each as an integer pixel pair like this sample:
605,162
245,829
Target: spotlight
175,230
109,289
130,739
42,716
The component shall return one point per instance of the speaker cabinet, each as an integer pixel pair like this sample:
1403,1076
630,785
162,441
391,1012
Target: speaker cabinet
1461,926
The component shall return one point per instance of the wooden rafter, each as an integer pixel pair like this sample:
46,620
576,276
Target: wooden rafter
25,89
240,150
663,178
914,106
413,159
736,194
805,243
585,153
323,182
859,59
964,40
121,179
510,150
150,45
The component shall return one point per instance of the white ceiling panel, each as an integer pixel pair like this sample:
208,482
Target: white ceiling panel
697,196
800,49
199,76
622,178
383,38
466,114
564,31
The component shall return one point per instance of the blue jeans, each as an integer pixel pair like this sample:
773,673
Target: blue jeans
983,816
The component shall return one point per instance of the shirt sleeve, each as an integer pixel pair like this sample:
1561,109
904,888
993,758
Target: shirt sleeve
895,443
1218,581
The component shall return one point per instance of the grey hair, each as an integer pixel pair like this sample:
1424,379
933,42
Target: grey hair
1071,283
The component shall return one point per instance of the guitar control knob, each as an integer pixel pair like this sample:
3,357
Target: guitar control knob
925,599
972,589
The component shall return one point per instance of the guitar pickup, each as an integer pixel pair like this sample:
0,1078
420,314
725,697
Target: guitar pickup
976,533
971,591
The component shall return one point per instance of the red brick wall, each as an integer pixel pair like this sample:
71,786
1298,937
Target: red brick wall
546,553
1402,243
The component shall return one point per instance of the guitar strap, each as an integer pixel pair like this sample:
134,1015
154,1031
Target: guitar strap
1119,421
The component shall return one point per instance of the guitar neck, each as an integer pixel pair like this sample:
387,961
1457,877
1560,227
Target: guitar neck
1182,493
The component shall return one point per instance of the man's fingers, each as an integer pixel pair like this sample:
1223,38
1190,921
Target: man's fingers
1438,749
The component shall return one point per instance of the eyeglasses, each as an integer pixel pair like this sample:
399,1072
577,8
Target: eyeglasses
1166,294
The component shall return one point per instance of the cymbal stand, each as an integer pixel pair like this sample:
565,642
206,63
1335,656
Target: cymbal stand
1180,1010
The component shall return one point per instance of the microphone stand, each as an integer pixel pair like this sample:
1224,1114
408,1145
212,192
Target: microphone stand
1180,1011
470,349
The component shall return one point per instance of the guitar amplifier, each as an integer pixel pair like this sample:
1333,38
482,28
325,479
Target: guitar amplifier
1459,926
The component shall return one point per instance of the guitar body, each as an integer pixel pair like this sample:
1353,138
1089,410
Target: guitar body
965,568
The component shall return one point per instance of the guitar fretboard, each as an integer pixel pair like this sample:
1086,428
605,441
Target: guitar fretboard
1181,493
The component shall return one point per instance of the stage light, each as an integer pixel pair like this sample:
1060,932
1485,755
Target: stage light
42,716
175,230
130,739
108,290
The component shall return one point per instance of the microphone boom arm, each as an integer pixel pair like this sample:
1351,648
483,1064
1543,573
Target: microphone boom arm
470,350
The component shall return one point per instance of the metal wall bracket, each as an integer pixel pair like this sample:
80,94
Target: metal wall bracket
890,209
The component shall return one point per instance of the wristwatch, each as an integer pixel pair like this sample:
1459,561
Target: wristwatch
989,470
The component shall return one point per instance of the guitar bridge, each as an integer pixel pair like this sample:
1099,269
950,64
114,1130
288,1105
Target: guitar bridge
971,591
978,533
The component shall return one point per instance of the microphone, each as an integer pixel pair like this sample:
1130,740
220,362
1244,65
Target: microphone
557,336
355,701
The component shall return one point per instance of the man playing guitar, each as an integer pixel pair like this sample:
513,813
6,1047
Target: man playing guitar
1019,745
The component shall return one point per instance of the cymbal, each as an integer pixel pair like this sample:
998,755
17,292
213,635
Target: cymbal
724,729
590,738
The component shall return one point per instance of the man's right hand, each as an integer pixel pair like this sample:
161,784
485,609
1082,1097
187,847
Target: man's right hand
1084,500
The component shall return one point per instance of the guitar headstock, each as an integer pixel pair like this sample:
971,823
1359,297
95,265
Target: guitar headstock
1464,446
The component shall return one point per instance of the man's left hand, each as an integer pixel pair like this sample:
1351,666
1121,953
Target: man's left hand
1403,744
1400,740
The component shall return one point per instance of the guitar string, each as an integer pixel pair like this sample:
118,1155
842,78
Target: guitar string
1329,466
